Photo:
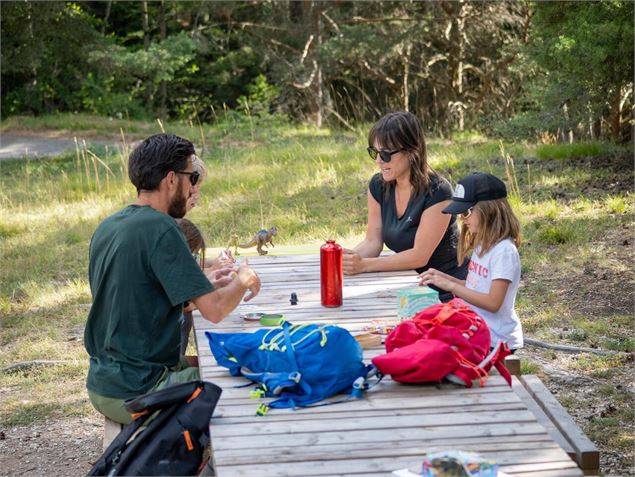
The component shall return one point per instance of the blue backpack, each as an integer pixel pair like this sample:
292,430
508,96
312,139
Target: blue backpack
298,364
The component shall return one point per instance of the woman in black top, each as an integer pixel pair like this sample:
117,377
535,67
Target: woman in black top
405,201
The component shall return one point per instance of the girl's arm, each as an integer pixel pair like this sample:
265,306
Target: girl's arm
491,301
438,276
429,234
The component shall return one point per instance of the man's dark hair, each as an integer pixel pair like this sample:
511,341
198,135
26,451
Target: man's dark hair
157,155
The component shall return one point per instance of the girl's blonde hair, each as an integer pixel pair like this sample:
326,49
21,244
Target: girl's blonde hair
194,239
496,222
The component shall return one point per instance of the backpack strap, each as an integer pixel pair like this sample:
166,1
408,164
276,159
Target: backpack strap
153,400
468,371
274,384
360,385
447,311
499,354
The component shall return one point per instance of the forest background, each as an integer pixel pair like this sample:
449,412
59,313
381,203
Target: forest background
546,70
278,97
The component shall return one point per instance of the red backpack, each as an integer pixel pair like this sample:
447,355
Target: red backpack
448,340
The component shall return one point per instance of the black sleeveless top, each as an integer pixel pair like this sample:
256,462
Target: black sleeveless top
398,233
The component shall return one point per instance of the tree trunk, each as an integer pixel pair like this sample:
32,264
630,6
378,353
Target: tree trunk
460,27
106,16
146,45
296,11
146,25
163,88
455,45
319,86
405,93
616,114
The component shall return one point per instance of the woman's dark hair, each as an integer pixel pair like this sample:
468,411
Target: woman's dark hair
402,131
157,155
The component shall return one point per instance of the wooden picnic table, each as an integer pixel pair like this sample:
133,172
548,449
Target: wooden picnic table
392,427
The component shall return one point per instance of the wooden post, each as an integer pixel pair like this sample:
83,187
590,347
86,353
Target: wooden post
111,430
512,363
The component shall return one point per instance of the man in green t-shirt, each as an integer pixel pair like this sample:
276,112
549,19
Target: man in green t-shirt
141,272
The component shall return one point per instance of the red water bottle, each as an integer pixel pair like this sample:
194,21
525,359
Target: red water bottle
331,275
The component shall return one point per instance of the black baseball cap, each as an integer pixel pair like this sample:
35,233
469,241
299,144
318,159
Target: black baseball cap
475,188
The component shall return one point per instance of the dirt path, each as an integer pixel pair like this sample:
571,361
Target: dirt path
20,146
66,447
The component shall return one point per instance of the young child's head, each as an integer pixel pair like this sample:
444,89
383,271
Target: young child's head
198,166
194,239
480,200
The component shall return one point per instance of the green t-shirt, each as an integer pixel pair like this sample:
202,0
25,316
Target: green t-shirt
141,271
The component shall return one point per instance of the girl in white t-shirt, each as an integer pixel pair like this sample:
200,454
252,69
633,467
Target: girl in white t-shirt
491,231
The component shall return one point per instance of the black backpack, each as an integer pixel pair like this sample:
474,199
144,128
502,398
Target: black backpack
174,440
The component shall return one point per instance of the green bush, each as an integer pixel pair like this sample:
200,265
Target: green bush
556,234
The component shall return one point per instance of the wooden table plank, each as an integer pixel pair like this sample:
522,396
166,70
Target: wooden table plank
391,427
389,448
329,466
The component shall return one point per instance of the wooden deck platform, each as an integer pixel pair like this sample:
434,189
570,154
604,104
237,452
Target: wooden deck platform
392,426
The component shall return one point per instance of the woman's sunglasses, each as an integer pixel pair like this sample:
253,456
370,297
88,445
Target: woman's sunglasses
194,176
386,156
467,213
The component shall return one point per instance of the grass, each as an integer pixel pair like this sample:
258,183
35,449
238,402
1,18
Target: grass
581,149
312,185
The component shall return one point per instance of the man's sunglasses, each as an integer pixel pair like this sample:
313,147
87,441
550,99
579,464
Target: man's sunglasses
194,176
386,156
467,213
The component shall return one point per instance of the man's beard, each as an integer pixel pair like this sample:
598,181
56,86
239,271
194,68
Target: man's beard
178,205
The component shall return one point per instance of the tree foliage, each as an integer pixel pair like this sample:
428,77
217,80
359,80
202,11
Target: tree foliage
586,53
544,68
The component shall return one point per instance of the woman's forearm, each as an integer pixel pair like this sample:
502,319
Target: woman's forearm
406,260
368,249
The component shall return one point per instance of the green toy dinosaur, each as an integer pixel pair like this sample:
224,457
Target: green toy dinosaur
233,242
261,239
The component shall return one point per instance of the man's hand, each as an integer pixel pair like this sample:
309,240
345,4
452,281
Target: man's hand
352,262
438,279
249,279
221,278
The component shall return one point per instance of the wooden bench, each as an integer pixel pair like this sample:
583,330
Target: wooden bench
512,363
560,425
554,418
111,430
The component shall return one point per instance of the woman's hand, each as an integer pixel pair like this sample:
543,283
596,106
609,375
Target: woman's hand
352,262
438,279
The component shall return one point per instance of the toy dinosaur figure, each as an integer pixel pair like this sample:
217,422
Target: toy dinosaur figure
261,239
233,242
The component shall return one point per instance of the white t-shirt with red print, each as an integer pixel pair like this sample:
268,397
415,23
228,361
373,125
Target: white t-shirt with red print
501,262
